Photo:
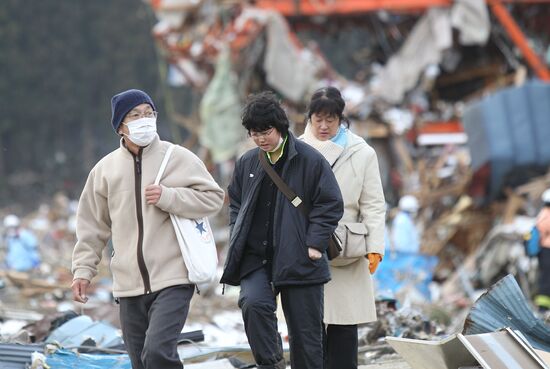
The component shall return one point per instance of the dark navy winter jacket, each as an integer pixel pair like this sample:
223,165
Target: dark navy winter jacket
310,176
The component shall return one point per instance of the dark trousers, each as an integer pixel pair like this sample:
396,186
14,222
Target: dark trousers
151,325
303,309
341,345
544,271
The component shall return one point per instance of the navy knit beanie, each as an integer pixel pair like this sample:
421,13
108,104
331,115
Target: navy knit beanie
122,103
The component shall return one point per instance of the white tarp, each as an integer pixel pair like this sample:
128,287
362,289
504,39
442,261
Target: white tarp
426,44
289,69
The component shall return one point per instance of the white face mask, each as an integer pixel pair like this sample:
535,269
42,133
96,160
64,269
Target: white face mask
142,131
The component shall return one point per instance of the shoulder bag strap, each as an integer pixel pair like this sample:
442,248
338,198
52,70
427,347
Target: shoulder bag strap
281,185
164,164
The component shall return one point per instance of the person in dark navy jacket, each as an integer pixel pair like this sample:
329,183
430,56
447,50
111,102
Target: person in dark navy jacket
274,247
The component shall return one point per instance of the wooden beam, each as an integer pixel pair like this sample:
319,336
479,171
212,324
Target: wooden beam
490,70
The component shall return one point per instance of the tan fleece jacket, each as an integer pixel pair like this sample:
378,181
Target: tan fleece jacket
146,255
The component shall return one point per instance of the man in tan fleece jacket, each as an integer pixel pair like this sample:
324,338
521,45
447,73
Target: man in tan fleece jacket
121,203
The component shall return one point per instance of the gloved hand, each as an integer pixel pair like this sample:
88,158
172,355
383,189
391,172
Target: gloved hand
374,260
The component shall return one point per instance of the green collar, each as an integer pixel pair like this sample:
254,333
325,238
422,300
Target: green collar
282,151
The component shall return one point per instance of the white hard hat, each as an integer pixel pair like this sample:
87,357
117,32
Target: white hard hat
409,203
11,221
546,196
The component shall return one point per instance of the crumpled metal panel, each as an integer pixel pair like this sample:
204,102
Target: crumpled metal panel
503,305
495,350
502,350
448,353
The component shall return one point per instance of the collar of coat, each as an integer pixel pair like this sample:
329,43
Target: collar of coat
355,143
283,146
144,150
290,146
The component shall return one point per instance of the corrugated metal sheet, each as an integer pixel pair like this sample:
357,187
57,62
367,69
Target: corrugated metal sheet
504,305
15,356
509,129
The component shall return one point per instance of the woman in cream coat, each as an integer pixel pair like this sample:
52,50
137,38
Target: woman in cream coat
349,296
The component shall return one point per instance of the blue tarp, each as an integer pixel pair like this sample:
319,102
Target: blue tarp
532,245
63,359
400,270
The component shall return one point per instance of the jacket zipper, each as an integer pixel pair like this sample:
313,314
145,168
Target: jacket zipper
139,214
231,250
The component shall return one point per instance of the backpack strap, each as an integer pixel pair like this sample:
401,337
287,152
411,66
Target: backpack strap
281,185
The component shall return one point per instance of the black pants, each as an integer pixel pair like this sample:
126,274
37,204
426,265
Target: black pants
151,325
544,271
341,345
303,309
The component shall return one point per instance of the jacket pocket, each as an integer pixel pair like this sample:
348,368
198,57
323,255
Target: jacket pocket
354,239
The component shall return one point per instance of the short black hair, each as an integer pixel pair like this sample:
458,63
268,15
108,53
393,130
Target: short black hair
263,111
329,101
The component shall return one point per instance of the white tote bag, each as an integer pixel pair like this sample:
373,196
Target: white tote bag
196,240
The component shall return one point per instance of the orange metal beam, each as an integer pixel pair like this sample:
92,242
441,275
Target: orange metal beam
519,39
346,7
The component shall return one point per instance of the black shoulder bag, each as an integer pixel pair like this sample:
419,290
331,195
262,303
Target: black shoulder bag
334,243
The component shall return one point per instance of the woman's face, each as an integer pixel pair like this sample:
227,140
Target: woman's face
324,126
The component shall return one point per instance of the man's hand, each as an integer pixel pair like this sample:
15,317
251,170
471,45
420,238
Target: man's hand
79,288
374,260
314,254
152,194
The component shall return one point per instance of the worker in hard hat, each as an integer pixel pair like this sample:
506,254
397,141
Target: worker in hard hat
542,299
22,246
407,273
404,235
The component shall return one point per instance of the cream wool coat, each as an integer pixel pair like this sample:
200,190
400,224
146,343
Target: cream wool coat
349,296
108,210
